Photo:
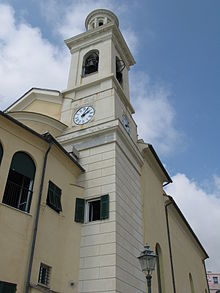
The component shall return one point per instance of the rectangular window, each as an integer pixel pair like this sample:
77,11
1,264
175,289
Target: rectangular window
44,275
54,197
215,280
6,287
95,209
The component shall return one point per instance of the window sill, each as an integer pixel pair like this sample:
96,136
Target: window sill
12,208
43,288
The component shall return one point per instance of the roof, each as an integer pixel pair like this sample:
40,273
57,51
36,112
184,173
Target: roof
148,146
46,137
171,200
28,92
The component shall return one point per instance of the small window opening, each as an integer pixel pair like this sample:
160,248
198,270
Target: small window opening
120,65
1,153
100,23
215,280
91,63
44,275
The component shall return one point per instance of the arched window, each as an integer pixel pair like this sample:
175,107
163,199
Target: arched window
191,283
120,65
159,268
1,153
19,186
90,63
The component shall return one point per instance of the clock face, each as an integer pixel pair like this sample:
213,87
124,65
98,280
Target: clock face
126,123
83,115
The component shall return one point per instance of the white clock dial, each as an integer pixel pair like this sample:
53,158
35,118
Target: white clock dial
83,115
126,123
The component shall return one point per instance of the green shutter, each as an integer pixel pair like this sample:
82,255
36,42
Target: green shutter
104,207
7,287
79,210
54,197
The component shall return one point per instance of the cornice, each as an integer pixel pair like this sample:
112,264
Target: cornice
40,118
95,82
35,94
113,126
99,34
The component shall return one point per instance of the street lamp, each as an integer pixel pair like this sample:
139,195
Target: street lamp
147,261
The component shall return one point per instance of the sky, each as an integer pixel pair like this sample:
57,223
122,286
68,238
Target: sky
175,86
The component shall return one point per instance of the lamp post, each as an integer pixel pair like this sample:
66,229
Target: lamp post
147,261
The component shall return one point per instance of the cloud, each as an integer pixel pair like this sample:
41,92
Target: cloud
155,115
75,12
27,59
201,209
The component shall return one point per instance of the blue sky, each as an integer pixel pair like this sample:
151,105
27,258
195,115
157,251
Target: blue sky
175,86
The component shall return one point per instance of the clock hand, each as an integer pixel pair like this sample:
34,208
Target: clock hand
85,112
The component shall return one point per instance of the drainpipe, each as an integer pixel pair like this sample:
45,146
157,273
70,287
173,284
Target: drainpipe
206,275
170,249
37,220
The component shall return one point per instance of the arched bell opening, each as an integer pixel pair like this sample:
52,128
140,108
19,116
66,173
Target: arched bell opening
90,63
120,65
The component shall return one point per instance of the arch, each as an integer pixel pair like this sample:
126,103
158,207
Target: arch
159,268
19,186
191,283
1,153
90,62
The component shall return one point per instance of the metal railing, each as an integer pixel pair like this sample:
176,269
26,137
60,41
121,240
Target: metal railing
17,196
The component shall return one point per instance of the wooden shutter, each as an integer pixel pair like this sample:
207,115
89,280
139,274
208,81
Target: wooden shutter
7,287
104,207
79,210
54,197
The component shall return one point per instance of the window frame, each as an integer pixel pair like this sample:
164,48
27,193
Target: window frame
215,280
47,277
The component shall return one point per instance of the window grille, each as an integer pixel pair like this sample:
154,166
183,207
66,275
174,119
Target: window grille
44,275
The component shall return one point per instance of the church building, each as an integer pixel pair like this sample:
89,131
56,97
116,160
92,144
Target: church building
81,195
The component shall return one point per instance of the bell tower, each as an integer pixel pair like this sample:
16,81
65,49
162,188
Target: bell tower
97,110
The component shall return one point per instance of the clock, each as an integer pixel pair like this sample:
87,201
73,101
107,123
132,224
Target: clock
126,123
83,115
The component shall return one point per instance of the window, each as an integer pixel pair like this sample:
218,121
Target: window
96,209
159,267
91,63
1,153
6,287
54,197
44,275
191,283
19,186
215,280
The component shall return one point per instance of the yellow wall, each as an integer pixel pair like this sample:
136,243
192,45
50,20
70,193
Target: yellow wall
58,237
187,256
46,108
155,230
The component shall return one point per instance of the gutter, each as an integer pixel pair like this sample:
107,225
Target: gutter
206,276
50,142
170,248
